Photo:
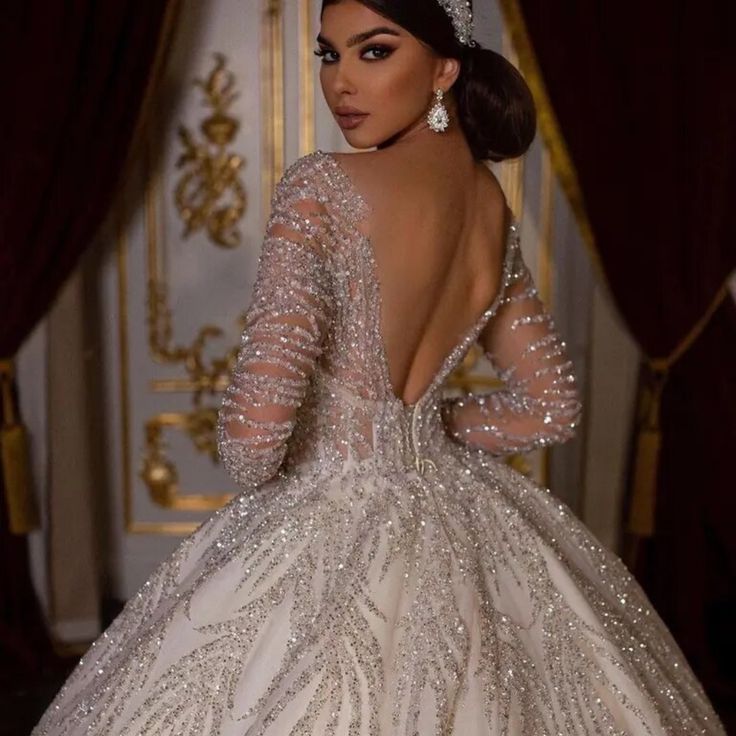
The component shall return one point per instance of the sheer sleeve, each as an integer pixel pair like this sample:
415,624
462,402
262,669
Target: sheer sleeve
538,404
282,339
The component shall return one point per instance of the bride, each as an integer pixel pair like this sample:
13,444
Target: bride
382,570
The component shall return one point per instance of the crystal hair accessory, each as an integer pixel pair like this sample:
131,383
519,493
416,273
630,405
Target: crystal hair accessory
461,15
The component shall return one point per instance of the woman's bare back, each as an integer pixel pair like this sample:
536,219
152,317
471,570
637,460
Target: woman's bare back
438,233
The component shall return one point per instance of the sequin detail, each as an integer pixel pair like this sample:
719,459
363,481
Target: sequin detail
539,404
382,572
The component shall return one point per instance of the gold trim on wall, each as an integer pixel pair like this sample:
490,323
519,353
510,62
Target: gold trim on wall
307,140
546,268
157,471
512,172
132,526
272,99
546,275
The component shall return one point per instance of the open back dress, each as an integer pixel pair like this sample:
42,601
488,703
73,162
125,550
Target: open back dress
382,570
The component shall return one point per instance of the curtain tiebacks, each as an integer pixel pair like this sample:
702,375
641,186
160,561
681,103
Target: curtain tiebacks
14,457
646,458
641,519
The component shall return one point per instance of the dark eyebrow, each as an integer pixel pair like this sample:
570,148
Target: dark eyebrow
358,37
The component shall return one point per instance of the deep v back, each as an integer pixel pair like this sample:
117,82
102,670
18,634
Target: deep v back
467,334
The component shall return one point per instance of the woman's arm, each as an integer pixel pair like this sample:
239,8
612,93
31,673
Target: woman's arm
539,404
283,336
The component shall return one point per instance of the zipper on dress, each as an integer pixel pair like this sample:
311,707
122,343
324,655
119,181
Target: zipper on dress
420,462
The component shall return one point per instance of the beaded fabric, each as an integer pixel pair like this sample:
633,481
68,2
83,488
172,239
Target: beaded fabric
382,571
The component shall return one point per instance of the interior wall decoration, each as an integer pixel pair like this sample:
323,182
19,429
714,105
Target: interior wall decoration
209,197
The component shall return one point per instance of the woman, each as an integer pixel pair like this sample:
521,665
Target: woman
382,570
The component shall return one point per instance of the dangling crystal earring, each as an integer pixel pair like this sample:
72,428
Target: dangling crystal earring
437,116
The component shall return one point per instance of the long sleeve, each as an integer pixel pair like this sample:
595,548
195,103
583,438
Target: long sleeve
539,403
282,339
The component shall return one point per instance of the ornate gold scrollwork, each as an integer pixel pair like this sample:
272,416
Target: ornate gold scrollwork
160,474
203,380
202,170
211,173
210,178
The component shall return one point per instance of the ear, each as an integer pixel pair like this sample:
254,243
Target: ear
447,72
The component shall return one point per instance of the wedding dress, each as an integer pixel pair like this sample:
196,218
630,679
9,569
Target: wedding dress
382,570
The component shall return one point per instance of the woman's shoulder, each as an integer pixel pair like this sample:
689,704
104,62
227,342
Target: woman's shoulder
491,188
314,171
325,180
375,172
300,173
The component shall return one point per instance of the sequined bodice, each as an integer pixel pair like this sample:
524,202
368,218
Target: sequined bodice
313,344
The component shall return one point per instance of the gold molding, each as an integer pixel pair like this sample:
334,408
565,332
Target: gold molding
131,525
307,139
272,99
160,474
546,229
199,424
512,172
546,262
272,61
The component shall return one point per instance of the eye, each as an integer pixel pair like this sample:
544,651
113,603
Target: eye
383,53
322,53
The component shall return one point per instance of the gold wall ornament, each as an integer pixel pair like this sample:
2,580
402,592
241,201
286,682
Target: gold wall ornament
210,192
203,381
159,473
202,376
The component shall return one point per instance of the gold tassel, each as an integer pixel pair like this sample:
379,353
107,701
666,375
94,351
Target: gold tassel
641,520
22,511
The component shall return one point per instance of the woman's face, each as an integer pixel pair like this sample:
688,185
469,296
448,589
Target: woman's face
374,66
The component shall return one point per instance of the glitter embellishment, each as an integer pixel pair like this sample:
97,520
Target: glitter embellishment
382,571
461,15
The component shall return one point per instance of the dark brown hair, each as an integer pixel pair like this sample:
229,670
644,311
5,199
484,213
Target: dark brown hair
495,105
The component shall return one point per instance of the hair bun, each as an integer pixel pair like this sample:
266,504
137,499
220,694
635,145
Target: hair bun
495,105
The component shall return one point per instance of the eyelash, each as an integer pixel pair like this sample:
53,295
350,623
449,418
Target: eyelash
386,50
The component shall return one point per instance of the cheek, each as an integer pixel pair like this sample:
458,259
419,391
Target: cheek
398,92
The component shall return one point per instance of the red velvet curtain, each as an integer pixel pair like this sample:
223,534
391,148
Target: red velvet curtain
76,77
643,96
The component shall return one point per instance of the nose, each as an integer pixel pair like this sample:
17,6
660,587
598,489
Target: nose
342,82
